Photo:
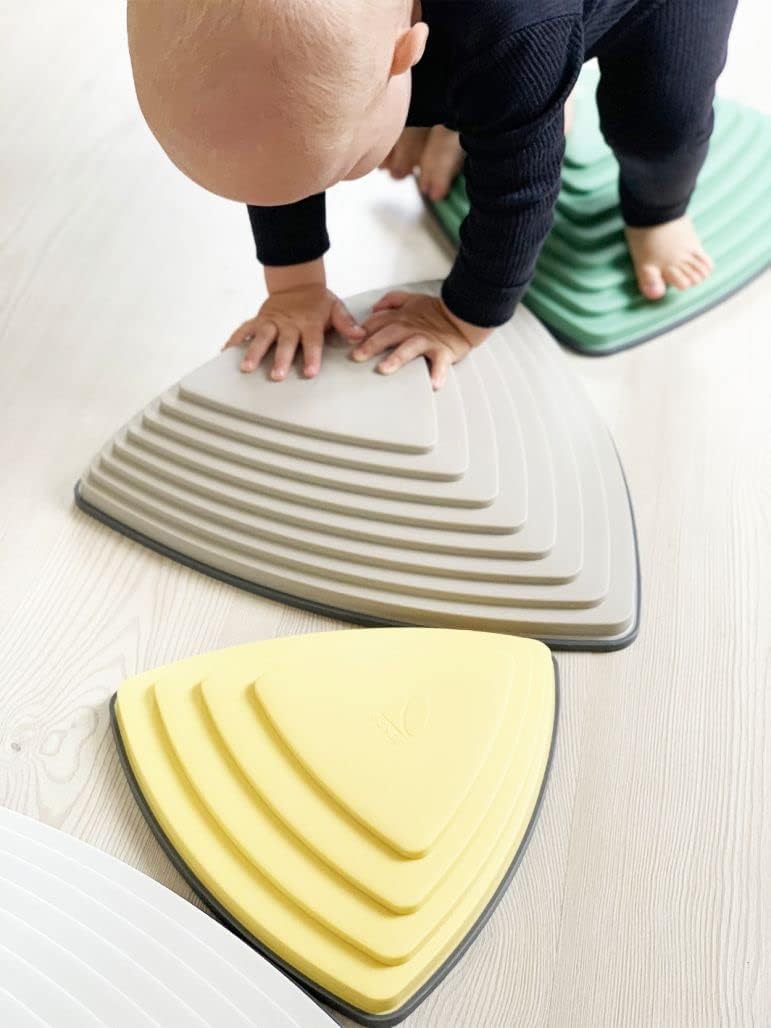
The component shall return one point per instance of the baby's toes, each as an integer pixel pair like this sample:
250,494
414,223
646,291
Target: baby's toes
703,262
400,163
441,174
436,176
677,275
405,156
434,184
440,162
697,269
651,281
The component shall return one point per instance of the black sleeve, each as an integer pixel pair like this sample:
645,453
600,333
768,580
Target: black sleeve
291,234
509,104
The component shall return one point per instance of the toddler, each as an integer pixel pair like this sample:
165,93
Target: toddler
271,102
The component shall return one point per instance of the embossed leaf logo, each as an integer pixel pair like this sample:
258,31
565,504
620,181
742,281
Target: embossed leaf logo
404,724
415,715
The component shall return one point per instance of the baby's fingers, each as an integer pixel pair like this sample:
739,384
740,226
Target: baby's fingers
344,322
374,322
392,301
312,344
288,340
441,360
260,341
403,354
243,334
383,339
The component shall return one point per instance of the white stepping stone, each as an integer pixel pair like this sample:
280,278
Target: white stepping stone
89,941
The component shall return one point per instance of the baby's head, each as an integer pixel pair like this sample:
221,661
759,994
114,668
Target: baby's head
270,101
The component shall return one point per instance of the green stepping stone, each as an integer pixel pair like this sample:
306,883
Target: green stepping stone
584,287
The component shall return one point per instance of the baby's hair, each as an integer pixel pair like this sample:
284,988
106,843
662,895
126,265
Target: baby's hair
313,49
337,78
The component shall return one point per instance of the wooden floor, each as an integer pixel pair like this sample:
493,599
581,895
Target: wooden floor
644,900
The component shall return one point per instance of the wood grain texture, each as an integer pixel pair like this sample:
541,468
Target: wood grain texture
645,896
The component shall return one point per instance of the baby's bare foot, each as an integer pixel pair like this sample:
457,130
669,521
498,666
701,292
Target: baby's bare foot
669,254
406,155
440,162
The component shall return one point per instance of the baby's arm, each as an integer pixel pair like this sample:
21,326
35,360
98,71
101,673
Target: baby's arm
509,105
295,233
508,94
291,242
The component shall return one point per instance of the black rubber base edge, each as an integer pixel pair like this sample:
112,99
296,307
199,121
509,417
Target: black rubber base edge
352,617
318,993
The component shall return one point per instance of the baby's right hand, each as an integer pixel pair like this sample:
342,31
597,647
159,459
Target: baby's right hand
294,317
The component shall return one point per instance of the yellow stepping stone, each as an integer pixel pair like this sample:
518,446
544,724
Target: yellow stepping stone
353,804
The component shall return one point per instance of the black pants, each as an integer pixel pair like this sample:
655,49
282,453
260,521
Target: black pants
655,96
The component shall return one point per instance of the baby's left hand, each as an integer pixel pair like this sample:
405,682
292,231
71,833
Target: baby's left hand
416,325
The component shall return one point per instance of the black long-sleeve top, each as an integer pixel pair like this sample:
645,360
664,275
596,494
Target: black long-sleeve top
499,72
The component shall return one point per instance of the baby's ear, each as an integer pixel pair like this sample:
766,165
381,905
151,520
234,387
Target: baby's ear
409,48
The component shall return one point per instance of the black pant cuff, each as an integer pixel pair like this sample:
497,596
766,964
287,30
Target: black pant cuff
642,215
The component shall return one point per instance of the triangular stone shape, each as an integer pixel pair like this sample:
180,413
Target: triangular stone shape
367,417
338,840
398,714
535,538
188,734
478,486
446,461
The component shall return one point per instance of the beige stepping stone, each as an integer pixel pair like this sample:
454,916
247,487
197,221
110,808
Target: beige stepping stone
535,538
478,487
371,414
446,461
